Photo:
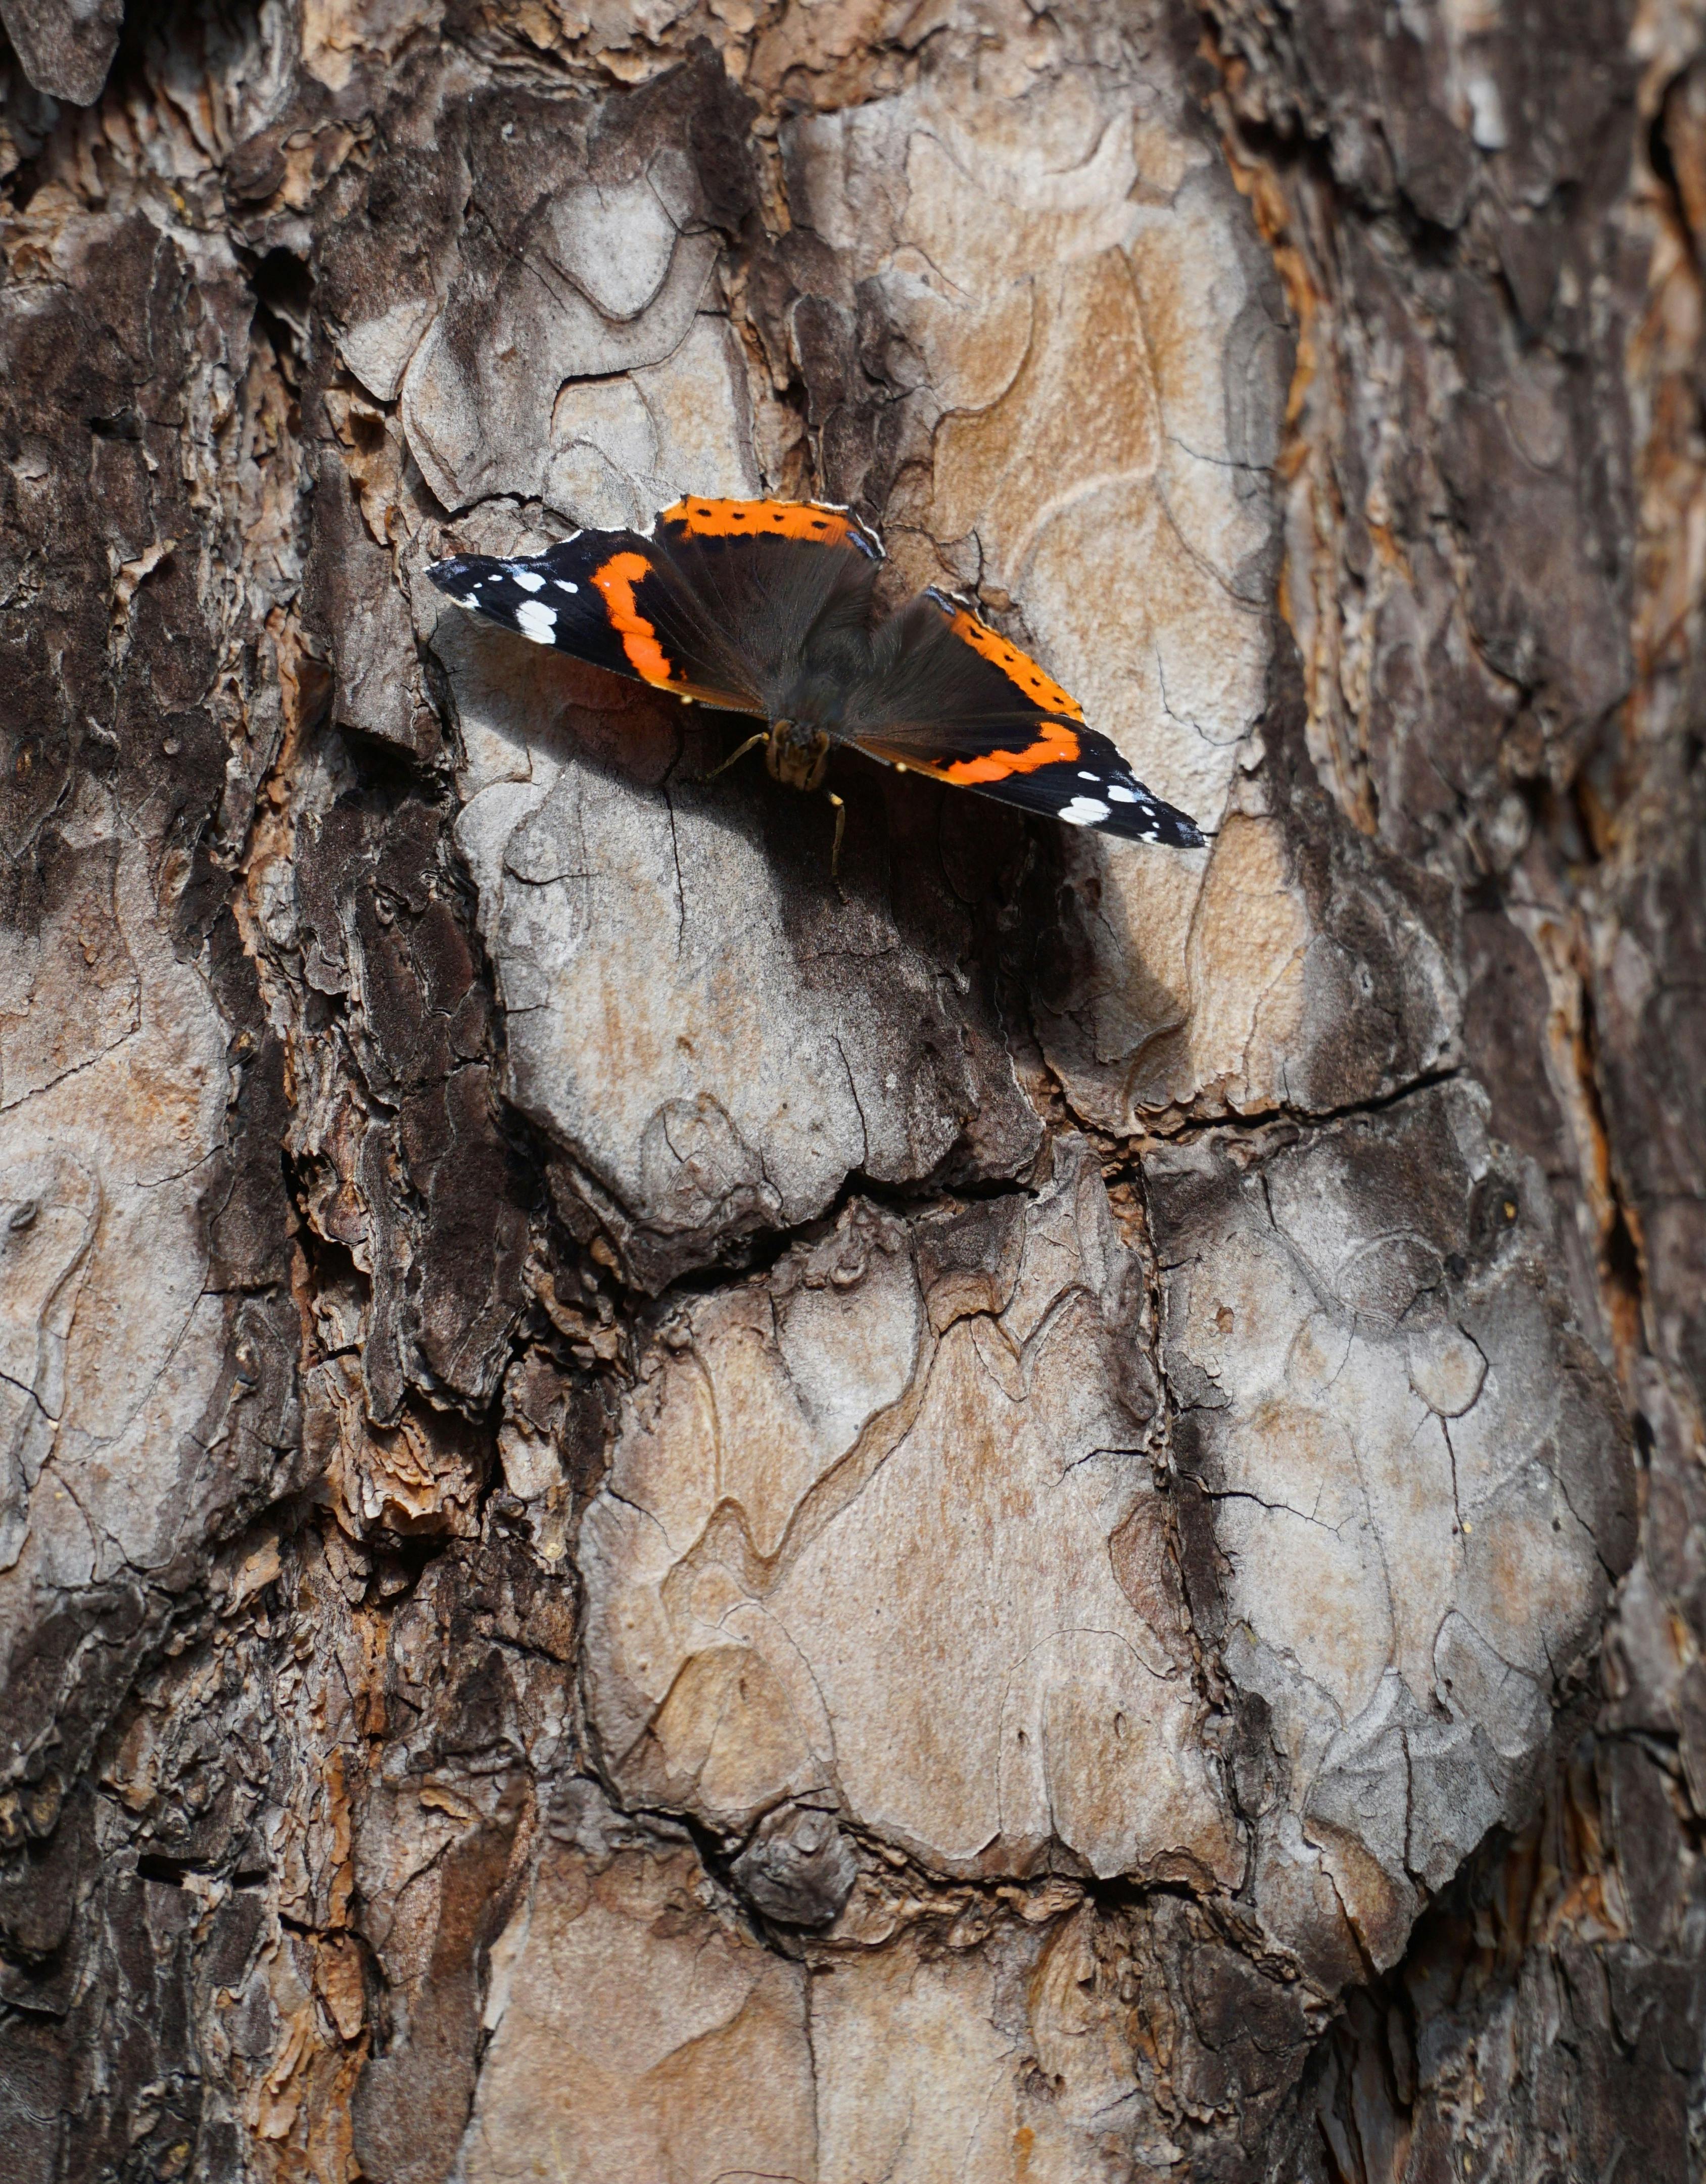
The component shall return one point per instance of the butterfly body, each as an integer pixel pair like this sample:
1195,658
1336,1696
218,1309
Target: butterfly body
768,608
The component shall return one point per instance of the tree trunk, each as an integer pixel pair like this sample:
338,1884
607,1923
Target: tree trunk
1036,1514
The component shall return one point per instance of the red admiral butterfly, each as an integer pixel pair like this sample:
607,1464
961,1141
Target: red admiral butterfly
764,607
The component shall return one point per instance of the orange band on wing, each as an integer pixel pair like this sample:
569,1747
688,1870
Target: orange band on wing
759,519
616,580
1018,668
1055,745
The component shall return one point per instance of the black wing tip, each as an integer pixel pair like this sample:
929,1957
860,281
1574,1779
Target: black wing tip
1177,831
448,573
1110,800
1162,826
457,568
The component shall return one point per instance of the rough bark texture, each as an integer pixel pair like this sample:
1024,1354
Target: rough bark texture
1039,1516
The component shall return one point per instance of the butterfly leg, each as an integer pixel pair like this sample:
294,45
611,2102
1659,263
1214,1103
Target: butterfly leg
751,743
840,829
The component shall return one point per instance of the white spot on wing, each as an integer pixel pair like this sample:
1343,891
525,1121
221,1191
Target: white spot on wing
1122,795
472,600
564,585
1084,811
528,580
537,621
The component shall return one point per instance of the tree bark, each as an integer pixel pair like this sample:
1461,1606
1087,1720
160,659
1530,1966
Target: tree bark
1036,1514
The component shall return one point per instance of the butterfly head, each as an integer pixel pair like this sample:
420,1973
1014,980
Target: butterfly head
797,752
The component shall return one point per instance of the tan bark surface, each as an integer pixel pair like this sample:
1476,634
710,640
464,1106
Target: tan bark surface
1036,1516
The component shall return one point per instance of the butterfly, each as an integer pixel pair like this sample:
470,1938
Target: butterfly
767,608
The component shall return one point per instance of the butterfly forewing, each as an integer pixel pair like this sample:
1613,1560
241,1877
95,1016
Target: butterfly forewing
548,598
612,599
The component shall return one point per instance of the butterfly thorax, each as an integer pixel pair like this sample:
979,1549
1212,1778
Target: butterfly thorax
796,752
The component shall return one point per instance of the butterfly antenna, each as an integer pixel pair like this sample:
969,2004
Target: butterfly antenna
751,743
840,829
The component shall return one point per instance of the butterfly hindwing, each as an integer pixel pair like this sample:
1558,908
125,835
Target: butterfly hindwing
774,576
949,696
